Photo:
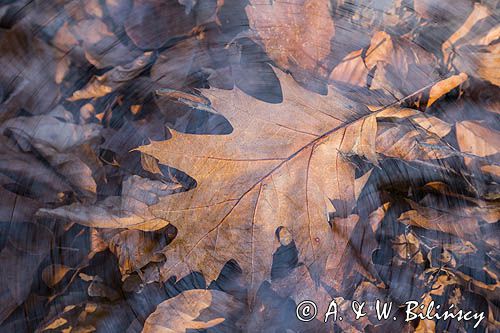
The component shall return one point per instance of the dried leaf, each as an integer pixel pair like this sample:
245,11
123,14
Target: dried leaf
255,179
475,138
102,48
134,248
296,35
112,80
192,310
479,13
50,132
28,74
445,86
128,211
390,63
56,324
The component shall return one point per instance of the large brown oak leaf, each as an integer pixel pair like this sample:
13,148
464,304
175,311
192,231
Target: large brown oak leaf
282,167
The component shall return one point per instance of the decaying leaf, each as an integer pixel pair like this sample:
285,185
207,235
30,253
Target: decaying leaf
390,63
28,74
188,165
443,87
432,219
476,138
151,23
296,34
128,211
261,186
192,310
112,80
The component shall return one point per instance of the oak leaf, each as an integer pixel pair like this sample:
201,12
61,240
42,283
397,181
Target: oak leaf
279,168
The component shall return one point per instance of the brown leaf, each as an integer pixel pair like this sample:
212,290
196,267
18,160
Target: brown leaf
299,286
465,32
261,186
445,86
50,132
352,69
23,170
296,35
390,63
61,143
192,310
480,62
173,65
58,322
134,248
475,138
449,222
407,142
473,48
98,288
445,10
110,81
131,210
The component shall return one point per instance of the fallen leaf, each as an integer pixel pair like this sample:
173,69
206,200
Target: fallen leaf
192,310
479,13
50,131
475,138
113,79
55,324
135,249
102,48
446,10
128,211
296,35
261,185
407,142
390,63
445,86
432,219
98,288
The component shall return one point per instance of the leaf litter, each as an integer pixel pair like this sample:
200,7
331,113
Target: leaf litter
183,166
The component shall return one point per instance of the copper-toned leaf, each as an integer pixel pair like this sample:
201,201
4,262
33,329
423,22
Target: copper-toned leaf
445,86
110,81
391,63
296,35
193,310
128,211
477,138
448,222
269,173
